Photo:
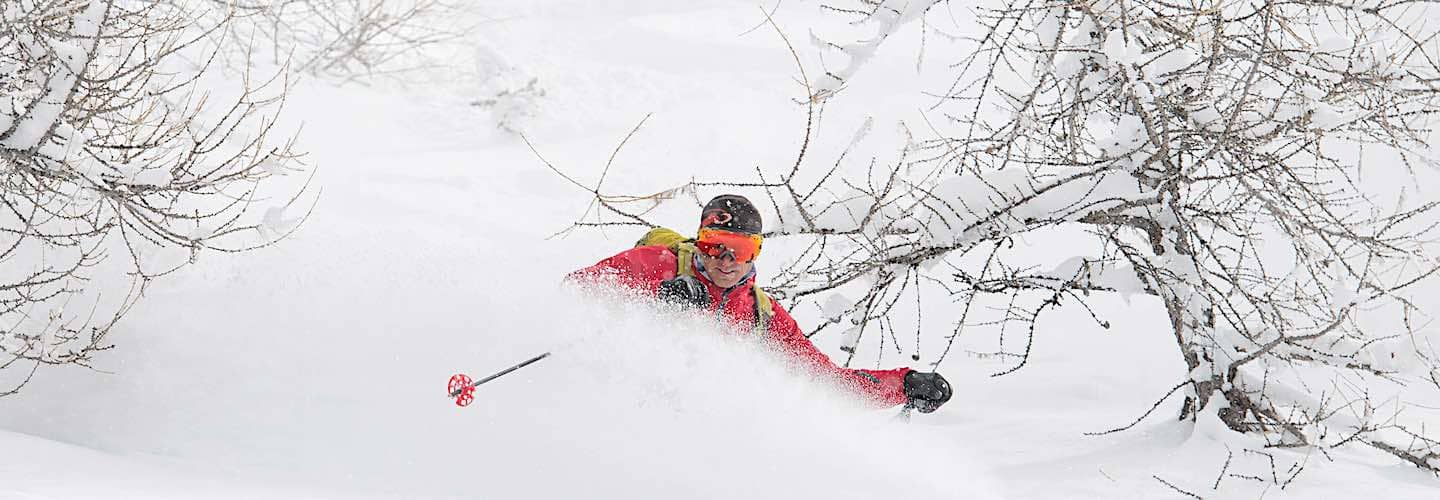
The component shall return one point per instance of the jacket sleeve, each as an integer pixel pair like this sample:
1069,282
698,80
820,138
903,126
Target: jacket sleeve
640,268
883,387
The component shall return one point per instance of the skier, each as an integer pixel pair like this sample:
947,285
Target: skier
715,272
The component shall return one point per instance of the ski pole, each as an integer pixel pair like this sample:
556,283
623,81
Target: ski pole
463,389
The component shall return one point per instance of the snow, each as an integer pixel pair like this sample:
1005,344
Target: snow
43,113
1171,61
41,468
1119,49
836,305
314,368
8,112
1126,134
1326,117
886,17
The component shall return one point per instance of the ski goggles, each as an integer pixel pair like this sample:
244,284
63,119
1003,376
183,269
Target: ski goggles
719,243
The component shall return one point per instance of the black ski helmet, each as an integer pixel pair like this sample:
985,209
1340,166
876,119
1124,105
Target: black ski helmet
731,212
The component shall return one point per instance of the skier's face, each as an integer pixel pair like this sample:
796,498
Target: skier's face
724,271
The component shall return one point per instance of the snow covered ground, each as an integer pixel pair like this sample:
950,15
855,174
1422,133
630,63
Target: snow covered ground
315,368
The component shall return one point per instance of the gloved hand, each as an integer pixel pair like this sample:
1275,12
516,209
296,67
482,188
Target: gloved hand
926,391
685,291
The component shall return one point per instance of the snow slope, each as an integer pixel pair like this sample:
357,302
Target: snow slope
314,369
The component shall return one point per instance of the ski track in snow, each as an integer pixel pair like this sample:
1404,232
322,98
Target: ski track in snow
314,369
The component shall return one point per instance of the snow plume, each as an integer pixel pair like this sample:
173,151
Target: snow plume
634,402
683,408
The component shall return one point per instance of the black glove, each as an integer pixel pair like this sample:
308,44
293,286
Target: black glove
926,391
685,291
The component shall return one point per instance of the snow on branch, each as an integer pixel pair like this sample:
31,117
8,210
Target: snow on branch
1219,157
137,135
341,39
885,17
121,160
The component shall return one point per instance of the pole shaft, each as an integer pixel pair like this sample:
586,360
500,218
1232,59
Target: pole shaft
506,371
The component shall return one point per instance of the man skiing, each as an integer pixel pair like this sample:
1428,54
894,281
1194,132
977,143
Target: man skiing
716,272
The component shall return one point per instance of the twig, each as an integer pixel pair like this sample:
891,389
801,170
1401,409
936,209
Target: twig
1147,412
1177,488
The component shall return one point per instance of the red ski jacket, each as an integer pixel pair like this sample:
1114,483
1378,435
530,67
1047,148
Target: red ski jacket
643,268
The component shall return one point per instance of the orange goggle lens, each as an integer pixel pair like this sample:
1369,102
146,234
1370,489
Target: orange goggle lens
719,243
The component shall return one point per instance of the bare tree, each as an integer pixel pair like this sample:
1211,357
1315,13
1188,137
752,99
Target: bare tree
342,39
107,152
135,135
1214,152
